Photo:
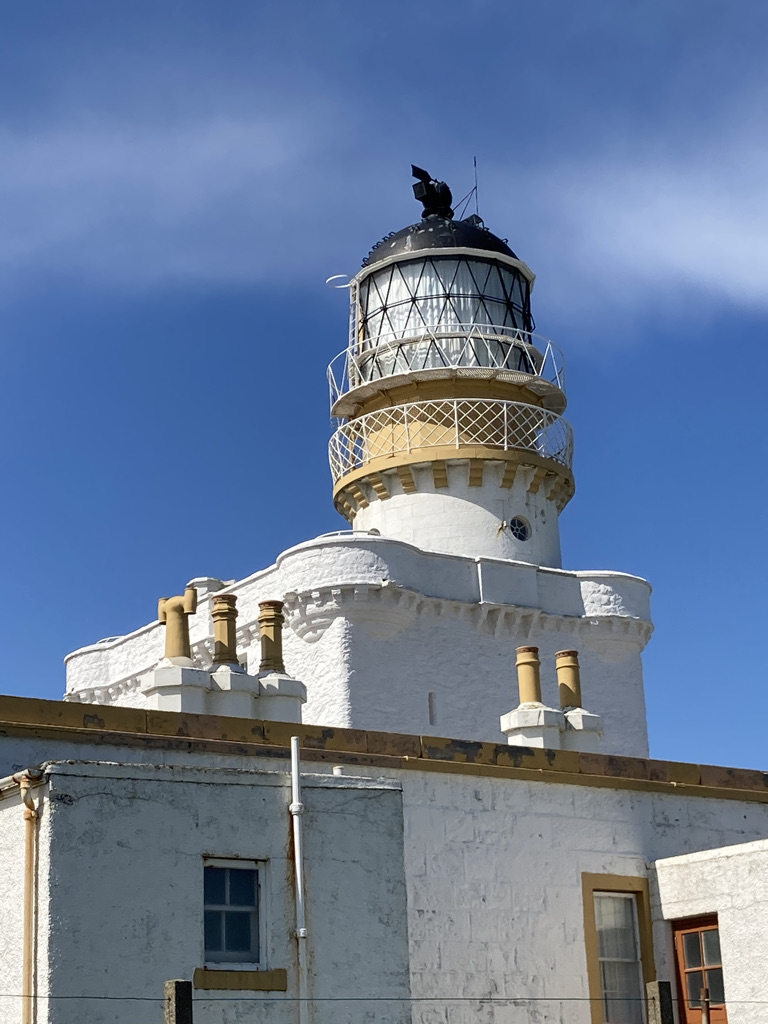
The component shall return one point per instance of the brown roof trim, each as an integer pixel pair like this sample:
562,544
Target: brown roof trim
169,730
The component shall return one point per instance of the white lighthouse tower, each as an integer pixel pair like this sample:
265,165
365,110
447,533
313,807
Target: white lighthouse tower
451,433
452,462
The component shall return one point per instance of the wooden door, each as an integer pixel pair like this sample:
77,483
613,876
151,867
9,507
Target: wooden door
699,965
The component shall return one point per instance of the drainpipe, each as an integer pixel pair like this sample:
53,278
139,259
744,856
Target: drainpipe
25,780
296,808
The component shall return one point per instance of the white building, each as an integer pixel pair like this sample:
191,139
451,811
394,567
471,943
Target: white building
452,462
538,867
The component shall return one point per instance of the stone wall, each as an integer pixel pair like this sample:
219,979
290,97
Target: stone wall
731,882
125,891
11,906
374,626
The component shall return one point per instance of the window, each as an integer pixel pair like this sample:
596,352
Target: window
618,952
699,965
619,949
232,915
519,528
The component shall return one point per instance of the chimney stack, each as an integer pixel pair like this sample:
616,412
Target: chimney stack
528,675
568,679
224,614
271,633
531,724
582,730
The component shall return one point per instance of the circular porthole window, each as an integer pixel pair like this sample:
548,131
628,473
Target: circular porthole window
520,528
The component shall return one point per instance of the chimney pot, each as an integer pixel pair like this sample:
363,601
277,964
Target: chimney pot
568,678
528,675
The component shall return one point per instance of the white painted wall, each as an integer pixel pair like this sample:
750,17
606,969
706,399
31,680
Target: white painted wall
494,883
492,867
731,882
11,905
464,520
374,625
124,890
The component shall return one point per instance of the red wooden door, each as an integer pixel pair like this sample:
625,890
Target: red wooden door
699,965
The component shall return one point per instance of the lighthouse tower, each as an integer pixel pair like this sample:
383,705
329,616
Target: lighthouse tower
451,460
451,434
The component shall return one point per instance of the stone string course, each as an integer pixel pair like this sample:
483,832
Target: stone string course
26,717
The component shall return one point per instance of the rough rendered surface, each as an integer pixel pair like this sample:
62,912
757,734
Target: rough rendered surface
492,869
375,625
733,883
125,891
11,904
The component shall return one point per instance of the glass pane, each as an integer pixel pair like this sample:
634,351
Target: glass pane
710,940
213,931
242,887
715,985
213,885
238,932
447,292
622,994
615,919
494,286
695,983
447,273
623,1011
692,948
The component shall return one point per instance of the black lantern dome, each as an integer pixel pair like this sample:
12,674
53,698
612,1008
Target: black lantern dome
436,232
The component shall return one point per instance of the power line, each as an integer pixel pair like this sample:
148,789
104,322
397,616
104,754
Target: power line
200,995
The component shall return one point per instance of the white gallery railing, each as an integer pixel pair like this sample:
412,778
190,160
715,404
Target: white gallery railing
452,422
460,346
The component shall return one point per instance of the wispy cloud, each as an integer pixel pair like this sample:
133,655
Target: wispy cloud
654,227
701,224
253,198
139,205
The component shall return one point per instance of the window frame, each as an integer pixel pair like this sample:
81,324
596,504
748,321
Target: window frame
262,874
619,885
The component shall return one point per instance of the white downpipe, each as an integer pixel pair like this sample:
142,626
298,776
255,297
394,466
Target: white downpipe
297,809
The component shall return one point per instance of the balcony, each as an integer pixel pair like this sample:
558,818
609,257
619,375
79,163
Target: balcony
449,424
479,351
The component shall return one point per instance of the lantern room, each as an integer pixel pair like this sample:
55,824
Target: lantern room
443,366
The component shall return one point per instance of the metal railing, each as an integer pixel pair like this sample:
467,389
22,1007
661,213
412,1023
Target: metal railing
453,422
460,346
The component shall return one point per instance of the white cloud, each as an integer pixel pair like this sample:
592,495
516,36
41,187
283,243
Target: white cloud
258,198
658,230
136,206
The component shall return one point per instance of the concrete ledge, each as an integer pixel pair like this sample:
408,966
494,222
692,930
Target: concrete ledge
239,981
94,723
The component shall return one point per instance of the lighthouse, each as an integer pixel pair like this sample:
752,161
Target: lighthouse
449,406
451,461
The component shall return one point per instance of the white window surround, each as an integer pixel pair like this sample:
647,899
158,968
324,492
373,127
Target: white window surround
261,868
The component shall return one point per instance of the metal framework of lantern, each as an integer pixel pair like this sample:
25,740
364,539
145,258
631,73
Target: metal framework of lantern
442,321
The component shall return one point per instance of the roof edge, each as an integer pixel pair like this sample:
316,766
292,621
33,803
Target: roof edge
29,716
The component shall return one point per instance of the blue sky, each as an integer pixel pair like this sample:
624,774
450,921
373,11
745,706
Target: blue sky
178,180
